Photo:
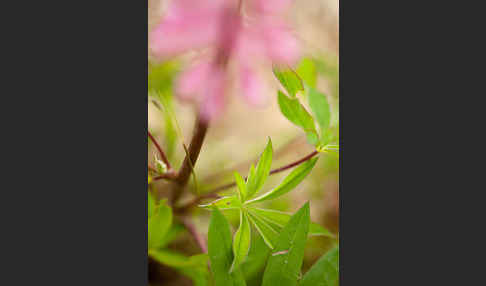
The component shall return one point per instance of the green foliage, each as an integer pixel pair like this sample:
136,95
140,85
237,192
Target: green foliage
225,203
268,233
289,79
221,253
277,220
150,205
294,110
296,113
284,264
259,176
241,242
158,224
289,183
325,272
240,183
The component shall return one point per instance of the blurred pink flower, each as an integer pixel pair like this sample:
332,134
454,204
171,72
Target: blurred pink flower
259,35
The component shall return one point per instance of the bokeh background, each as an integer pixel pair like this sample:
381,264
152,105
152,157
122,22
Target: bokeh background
235,141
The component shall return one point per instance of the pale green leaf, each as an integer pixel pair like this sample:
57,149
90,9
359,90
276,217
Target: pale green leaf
289,183
256,181
298,115
224,203
277,220
241,241
150,205
289,80
221,253
285,262
320,107
240,182
325,272
307,72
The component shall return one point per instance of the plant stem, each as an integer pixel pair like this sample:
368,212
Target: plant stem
201,242
184,173
161,152
212,193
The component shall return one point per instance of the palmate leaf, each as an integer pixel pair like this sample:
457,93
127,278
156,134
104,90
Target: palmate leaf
325,272
240,183
289,183
221,253
284,264
241,241
257,178
158,225
268,233
277,220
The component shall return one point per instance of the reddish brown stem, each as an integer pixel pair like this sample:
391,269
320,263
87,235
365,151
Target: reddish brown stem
201,242
184,173
161,152
212,193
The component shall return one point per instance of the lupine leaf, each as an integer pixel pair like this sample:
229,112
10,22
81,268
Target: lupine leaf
268,234
241,241
298,115
285,262
221,253
256,181
325,272
171,234
320,107
224,203
159,224
240,182
277,220
289,80
307,72
289,183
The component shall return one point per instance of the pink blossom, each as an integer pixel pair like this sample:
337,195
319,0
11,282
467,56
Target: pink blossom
225,33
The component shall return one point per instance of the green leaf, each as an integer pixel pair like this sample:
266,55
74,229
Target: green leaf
285,262
150,205
172,234
256,260
256,181
240,182
241,241
224,203
320,107
277,220
195,267
268,233
289,183
221,253
158,225
298,115
307,71
289,80
325,272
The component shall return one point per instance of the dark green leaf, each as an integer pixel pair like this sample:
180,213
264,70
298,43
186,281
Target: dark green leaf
289,183
325,272
296,113
289,80
241,241
285,262
221,253
158,225
256,181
